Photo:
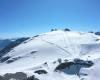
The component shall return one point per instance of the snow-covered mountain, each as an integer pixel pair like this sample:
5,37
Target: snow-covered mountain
4,43
56,55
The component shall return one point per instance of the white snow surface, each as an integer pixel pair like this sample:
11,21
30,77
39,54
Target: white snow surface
51,46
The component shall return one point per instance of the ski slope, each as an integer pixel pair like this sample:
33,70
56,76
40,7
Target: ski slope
32,54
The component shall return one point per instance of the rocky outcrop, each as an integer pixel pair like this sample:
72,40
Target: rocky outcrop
73,67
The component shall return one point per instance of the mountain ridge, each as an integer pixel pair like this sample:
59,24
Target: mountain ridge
44,52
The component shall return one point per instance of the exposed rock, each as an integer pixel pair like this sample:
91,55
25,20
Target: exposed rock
31,78
16,76
66,29
41,72
12,60
33,52
97,33
4,59
73,67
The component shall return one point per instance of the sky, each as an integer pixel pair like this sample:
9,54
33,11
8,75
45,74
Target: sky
31,17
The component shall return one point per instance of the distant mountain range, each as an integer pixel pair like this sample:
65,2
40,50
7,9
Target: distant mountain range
4,43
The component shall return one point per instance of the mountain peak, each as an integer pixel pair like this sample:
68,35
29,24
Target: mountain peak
41,54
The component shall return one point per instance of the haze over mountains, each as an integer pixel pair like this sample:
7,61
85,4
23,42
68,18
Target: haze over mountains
55,55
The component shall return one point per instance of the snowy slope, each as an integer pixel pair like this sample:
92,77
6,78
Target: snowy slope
44,51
